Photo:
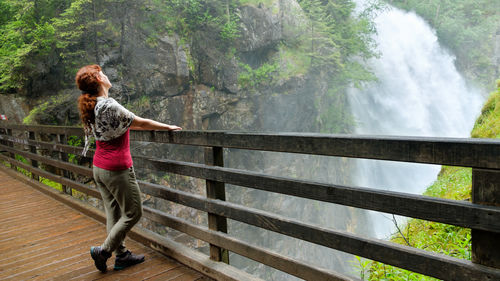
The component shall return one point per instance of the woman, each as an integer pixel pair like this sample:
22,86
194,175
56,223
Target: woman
109,123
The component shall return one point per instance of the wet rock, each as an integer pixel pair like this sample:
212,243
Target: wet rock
214,66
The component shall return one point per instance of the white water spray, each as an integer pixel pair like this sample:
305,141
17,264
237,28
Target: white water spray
419,92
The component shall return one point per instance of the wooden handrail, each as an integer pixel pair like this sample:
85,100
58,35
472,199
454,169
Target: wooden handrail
483,217
465,152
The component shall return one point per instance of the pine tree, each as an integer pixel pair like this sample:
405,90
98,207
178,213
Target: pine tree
26,34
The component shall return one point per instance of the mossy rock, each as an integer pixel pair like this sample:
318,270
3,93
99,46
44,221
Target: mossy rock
488,124
58,110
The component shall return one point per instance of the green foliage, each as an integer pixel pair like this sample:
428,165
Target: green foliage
43,180
488,124
25,161
361,265
334,35
53,184
73,31
336,116
30,118
185,17
230,30
40,110
265,3
452,183
337,44
25,36
74,141
251,78
293,62
467,27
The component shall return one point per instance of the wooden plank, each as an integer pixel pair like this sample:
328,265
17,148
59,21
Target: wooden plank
40,233
17,251
33,229
486,190
435,265
69,131
53,234
479,153
34,163
51,271
280,262
62,139
95,275
156,264
22,269
12,155
446,211
216,190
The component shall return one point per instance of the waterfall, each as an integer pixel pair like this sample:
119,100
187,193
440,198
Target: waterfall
419,92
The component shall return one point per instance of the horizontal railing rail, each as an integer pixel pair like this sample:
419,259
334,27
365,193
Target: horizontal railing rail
481,155
475,153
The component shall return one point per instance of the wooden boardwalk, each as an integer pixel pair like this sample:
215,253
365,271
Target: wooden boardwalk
43,239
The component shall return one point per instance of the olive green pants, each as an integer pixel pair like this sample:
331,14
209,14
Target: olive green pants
122,201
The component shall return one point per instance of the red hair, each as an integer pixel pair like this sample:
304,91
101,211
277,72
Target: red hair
87,81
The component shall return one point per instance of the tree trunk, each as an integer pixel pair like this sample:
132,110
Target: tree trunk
437,15
122,35
94,19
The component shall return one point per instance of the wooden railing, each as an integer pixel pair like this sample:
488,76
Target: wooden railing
482,215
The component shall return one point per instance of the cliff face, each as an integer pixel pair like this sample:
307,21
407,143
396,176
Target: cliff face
195,84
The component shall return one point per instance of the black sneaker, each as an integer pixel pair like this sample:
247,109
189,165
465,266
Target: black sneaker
100,257
127,259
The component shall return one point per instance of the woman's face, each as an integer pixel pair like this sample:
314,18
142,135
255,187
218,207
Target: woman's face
104,80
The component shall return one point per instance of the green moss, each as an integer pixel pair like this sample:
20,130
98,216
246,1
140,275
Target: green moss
51,183
139,104
74,141
293,61
250,78
30,119
488,124
25,161
41,112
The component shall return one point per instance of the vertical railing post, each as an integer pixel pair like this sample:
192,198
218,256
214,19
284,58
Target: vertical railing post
34,163
11,144
486,191
216,190
62,139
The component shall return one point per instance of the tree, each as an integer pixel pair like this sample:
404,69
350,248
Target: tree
77,31
25,36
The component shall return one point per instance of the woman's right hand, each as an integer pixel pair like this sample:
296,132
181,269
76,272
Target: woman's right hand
174,128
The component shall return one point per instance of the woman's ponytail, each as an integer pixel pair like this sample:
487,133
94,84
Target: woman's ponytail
86,105
87,81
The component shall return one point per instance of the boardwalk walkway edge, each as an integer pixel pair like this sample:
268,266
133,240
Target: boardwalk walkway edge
177,251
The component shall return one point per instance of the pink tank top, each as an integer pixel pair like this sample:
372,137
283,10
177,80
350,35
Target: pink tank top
114,155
